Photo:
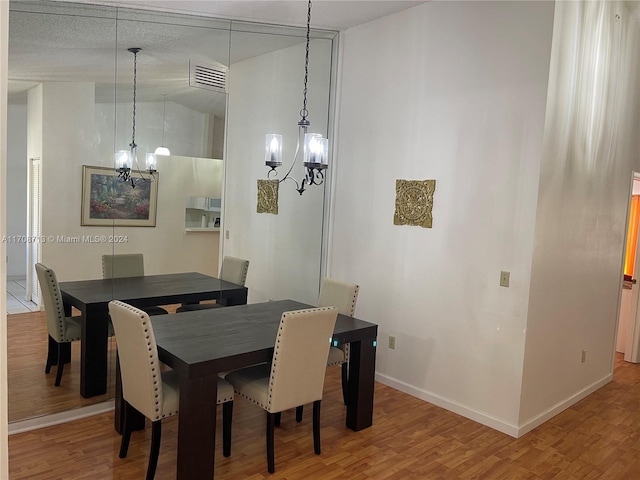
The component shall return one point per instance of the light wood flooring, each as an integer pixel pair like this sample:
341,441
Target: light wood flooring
31,392
598,438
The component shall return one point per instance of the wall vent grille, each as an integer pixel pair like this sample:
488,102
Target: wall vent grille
208,76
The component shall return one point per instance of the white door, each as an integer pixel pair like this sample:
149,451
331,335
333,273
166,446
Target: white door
34,229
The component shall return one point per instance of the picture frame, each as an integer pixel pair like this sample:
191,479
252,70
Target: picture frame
110,201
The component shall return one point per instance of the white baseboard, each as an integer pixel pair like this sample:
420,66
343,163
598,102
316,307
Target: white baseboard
450,405
515,431
57,418
527,426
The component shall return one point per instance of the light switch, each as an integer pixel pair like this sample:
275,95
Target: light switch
504,279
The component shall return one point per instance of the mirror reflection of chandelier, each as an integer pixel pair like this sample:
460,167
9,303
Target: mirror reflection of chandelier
126,159
315,146
162,150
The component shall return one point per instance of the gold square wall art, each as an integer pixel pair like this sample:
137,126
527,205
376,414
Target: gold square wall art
268,196
414,202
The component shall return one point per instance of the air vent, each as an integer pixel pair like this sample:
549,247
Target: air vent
209,77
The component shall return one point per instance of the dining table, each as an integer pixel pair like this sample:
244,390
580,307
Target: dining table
92,298
199,345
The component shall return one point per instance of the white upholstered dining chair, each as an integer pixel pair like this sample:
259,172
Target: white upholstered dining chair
62,330
296,373
124,265
343,296
154,393
233,270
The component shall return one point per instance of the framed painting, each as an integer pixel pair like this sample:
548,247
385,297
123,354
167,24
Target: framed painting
109,201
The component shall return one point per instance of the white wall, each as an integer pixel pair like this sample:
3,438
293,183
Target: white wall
265,96
186,131
167,248
16,188
591,148
451,91
67,130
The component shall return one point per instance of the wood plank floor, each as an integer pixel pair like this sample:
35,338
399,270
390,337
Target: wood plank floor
31,392
598,438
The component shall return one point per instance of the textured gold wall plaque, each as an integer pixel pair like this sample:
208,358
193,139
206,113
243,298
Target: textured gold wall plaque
268,196
414,201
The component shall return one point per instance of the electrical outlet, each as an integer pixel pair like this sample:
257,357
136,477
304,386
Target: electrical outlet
504,279
584,356
392,342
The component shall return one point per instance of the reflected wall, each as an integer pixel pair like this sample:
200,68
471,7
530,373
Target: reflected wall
71,75
266,95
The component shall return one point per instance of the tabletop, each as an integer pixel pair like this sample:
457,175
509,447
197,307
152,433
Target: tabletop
167,287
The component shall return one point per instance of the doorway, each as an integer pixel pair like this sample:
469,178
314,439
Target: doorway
628,339
17,212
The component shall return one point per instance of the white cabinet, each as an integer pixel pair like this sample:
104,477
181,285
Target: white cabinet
202,214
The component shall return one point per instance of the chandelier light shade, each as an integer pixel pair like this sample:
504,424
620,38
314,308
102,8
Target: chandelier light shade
151,162
162,150
273,150
315,146
125,160
315,151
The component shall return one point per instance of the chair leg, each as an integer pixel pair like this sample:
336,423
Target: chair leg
299,412
126,434
51,354
60,366
227,416
271,463
277,419
57,354
345,381
316,427
156,433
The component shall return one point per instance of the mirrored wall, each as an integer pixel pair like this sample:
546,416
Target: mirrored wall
71,109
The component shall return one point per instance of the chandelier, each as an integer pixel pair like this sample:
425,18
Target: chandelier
126,159
315,146
162,150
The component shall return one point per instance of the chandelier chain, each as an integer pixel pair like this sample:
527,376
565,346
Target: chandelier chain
315,145
135,77
164,113
304,112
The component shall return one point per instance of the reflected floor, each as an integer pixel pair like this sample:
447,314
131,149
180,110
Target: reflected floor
32,393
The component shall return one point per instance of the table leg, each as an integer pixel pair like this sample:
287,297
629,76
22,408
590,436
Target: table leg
197,427
239,298
362,366
94,344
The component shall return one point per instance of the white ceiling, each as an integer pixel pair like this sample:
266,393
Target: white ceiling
329,14
65,48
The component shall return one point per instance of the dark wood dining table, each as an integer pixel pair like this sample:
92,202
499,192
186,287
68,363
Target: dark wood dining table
92,298
201,344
